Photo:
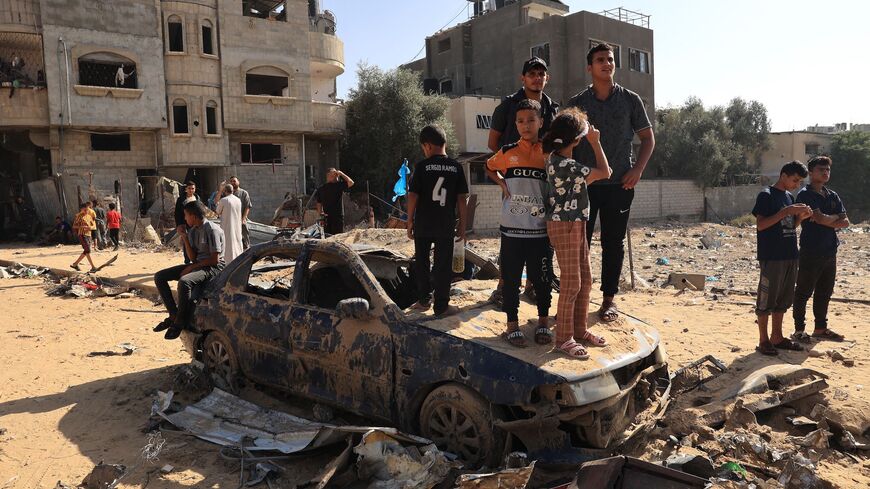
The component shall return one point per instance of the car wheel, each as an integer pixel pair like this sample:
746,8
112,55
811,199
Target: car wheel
460,421
221,363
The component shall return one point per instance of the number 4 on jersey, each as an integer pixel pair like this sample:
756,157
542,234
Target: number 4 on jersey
439,194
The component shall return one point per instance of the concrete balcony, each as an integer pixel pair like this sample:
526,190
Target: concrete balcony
328,118
327,55
27,107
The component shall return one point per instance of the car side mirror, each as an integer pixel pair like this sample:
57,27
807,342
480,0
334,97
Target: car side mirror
353,308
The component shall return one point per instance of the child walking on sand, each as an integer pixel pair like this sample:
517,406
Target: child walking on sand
567,213
83,224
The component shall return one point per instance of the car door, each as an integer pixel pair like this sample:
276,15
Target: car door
257,308
347,361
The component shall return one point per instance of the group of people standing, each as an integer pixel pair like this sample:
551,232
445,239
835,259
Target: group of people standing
545,160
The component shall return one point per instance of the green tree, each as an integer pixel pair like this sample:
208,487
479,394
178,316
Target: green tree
385,114
850,175
710,145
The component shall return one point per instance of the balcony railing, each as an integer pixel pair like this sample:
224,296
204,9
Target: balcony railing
328,117
327,48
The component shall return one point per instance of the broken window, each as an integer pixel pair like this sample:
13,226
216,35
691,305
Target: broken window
484,121
211,118
272,276
444,45
327,284
176,35
638,60
542,51
179,117
107,70
261,153
265,9
110,142
811,149
446,86
267,80
207,39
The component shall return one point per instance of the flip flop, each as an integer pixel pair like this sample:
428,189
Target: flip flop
573,349
593,339
767,348
787,344
802,337
829,335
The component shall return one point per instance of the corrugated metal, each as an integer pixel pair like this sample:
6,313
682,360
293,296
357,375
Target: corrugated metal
43,193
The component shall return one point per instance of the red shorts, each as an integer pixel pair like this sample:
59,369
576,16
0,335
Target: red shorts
85,241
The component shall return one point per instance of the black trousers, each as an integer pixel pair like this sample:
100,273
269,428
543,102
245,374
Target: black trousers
334,224
438,279
533,254
186,284
815,278
612,204
114,236
246,236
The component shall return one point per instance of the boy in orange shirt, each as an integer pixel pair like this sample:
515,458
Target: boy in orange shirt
82,226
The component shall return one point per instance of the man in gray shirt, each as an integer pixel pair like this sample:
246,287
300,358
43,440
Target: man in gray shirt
619,114
205,242
243,195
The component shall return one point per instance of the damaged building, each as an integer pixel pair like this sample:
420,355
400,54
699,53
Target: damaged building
100,98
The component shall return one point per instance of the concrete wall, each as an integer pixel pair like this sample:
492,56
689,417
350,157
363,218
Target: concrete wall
128,28
653,200
19,15
726,203
463,114
27,107
267,184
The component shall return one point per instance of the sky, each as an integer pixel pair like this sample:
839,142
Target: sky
802,59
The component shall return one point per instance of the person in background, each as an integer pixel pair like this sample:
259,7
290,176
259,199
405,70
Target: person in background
437,191
113,222
100,237
329,197
817,262
245,197
188,196
777,218
229,210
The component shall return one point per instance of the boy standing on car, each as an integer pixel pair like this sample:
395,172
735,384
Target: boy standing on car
438,189
817,266
519,170
777,218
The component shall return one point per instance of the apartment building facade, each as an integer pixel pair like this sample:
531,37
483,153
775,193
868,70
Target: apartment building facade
127,90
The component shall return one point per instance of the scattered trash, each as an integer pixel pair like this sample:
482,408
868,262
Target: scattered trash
710,243
690,376
692,464
22,271
691,281
85,286
662,261
103,476
817,439
167,469
799,473
614,471
262,471
383,458
514,478
128,349
4,273
800,421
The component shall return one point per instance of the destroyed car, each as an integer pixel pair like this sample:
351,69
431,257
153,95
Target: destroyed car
326,321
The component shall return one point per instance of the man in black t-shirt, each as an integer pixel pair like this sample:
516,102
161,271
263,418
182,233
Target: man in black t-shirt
438,189
329,199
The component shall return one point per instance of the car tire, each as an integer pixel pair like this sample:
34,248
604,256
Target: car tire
221,362
460,421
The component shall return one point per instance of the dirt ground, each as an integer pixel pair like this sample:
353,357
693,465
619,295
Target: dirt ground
62,411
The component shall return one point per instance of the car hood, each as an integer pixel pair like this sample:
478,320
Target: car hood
628,338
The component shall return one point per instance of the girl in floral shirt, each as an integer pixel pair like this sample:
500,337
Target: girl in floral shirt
567,213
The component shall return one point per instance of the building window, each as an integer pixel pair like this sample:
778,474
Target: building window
175,31
484,121
207,38
267,80
638,60
444,45
272,10
617,50
446,86
261,153
110,142
542,51
811,149
179,117
107,70
211,118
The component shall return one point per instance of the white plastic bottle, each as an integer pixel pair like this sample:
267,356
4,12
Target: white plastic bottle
459,256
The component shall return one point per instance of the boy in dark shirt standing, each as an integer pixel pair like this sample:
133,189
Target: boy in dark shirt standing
438,189
817,266
777,218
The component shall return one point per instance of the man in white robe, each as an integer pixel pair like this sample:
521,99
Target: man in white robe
229,209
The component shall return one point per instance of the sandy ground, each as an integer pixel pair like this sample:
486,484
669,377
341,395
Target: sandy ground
62,411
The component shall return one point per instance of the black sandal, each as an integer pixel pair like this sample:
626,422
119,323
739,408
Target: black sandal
543,335
787,344
608,312
515,338
767,348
